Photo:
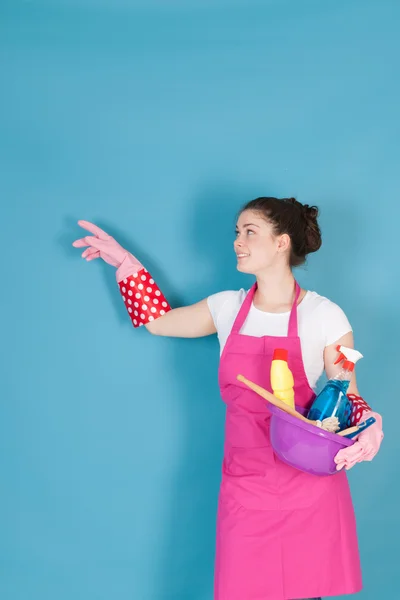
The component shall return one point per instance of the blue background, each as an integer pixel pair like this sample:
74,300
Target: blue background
157,123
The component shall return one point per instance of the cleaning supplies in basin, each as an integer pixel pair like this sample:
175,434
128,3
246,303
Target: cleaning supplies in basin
281,377
330,424
332,400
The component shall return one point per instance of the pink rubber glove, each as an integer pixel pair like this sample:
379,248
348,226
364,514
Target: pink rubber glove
143,299
365,448
102,245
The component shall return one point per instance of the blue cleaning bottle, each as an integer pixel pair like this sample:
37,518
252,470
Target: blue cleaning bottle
332,400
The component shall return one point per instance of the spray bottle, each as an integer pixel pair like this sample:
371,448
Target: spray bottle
332,400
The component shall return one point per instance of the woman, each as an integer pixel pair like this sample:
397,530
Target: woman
281,533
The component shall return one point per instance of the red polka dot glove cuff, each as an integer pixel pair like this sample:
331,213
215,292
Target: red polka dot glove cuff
143,299
358,408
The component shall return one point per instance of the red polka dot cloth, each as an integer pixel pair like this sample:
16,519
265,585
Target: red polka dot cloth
358,408
143,299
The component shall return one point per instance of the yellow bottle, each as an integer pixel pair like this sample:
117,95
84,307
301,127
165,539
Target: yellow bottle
282,381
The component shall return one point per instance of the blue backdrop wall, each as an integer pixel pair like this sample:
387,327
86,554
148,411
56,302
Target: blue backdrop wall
157,121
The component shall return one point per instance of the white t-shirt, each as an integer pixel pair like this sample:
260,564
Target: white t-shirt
320,323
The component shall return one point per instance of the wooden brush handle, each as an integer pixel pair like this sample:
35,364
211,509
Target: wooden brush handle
273,399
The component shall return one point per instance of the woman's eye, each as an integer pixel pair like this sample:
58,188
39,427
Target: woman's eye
247,231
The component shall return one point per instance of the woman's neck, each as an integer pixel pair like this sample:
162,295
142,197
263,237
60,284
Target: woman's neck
276,291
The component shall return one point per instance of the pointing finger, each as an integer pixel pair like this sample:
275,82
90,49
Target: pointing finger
102,235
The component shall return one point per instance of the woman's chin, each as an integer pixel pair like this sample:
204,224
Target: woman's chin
242,267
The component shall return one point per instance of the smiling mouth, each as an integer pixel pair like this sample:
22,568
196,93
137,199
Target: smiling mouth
242,255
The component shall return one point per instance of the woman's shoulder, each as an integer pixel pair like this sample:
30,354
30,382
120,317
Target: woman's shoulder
225,305
227,297
313,301
330,316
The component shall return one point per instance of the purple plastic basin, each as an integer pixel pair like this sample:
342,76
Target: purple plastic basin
304,446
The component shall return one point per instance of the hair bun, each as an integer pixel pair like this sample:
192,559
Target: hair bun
312,235
310,212
313,232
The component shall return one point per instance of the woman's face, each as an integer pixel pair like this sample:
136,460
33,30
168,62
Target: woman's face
256,246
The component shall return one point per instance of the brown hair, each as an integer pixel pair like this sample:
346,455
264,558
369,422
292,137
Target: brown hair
299,221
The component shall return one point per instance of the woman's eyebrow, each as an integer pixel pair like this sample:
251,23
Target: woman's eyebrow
249,225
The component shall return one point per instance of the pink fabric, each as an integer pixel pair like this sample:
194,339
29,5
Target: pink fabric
365,448
281,533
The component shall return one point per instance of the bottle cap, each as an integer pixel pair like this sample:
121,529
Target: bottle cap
349,356
280,354
348,365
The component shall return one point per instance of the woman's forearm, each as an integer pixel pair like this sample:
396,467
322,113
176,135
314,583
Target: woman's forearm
190,321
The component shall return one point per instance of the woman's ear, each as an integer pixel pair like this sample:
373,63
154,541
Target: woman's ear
283,242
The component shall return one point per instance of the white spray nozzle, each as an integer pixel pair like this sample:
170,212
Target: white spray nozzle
348,354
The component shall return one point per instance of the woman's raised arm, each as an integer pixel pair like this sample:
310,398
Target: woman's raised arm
143,299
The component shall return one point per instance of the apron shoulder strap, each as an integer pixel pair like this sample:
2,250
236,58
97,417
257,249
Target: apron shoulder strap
293,328
244,310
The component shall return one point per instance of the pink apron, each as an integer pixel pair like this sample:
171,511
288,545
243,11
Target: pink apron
281,533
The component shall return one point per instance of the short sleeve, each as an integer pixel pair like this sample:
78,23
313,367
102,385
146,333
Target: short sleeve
336,324
217,303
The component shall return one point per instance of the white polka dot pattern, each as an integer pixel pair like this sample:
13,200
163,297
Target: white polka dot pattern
358,408
150,299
